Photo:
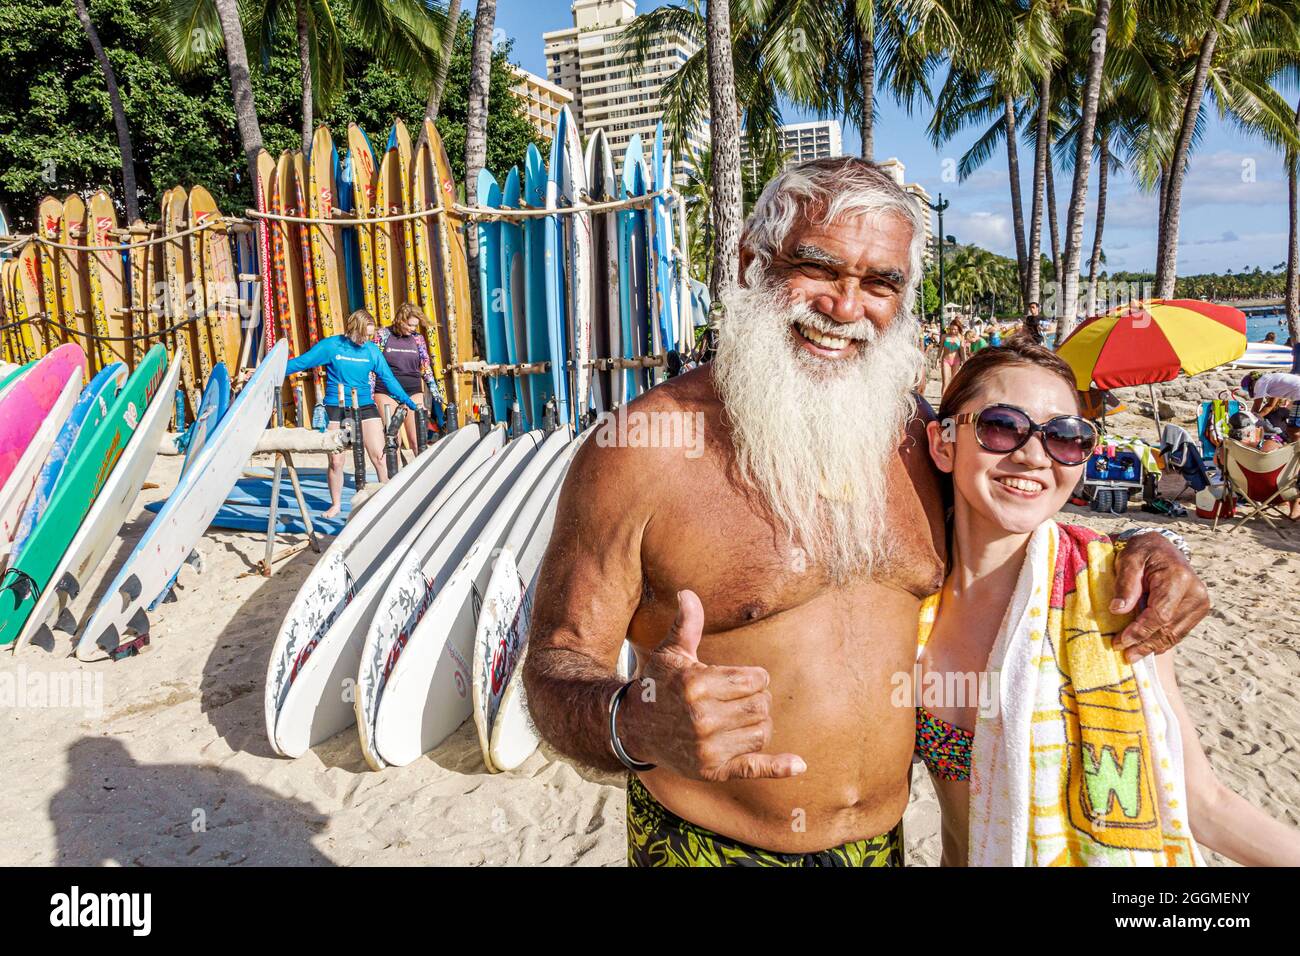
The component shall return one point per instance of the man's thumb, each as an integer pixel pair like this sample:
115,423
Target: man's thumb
688,626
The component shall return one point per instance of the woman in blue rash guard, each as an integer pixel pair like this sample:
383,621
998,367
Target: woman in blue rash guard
349,360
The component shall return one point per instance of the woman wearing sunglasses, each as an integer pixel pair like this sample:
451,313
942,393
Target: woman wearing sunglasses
1046,746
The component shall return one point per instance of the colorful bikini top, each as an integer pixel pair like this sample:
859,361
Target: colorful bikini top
944,748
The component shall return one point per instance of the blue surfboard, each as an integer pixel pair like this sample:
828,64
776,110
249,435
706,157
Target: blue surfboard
514,296
89,411
541,388
556,298
662,228
501,390
634,265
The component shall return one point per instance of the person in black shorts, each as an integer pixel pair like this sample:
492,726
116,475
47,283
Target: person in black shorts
407,352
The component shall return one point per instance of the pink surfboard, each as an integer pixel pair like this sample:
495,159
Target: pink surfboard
25,406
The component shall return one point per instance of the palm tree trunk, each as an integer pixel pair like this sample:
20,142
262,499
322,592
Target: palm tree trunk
724,136
1082,168
480,74
440,75
1292,304
1053,228
1167,262
1040,184
1017,207
867,73
130,196
1095,264
241,86
304,68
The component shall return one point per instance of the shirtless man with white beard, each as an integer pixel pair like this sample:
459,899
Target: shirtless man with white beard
771,585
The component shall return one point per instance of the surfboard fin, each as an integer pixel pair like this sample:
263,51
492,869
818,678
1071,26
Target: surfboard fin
139,623
68,585
67,622
195,560
108,641
131,588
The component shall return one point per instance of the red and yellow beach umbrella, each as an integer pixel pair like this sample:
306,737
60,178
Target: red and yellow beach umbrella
1152,341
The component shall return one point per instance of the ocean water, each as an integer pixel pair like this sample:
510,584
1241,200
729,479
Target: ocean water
1257,326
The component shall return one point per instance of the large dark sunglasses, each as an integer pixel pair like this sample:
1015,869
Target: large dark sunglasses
1067,439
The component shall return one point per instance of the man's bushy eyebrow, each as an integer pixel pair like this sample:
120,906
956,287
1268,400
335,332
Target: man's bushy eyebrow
817,254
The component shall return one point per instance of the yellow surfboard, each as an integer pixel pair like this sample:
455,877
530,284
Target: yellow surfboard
31,290
139,298
404,165
326,241
390,252
107,282
75,284
306,274
364,175
287,264
49,219
182,338
456,273
428,263
215,292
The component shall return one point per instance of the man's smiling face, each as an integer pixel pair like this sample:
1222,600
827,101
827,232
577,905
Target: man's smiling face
852,273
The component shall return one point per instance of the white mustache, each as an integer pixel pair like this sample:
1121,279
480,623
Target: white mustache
860,331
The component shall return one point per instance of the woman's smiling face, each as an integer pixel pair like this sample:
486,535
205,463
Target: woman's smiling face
1018,490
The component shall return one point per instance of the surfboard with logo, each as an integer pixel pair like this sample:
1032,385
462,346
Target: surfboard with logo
326,244
107,282
75,279
400,139
428,263
364,173
286,265
633,272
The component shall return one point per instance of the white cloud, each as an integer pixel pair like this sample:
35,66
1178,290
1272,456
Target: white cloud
988,229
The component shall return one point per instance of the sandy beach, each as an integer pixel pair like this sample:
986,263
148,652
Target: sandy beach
173,766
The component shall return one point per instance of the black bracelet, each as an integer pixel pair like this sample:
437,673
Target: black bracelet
634,765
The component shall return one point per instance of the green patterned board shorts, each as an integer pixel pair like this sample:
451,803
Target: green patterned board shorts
658,837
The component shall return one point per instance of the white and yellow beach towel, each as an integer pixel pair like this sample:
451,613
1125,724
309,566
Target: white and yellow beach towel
1081,763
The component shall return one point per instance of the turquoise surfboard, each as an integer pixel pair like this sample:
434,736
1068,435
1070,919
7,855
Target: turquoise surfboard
90,410
556,299
661,228
541,388
514,296
501,390
633,271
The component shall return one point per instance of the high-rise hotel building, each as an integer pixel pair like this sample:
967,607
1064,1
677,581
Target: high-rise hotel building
542,100
610,90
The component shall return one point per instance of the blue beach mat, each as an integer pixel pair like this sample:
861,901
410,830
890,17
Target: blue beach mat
248,507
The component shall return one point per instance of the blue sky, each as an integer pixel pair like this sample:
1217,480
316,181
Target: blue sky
1234,212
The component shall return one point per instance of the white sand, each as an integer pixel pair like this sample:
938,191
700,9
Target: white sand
176,769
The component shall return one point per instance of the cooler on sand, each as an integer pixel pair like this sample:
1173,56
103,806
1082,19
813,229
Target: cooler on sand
1111,477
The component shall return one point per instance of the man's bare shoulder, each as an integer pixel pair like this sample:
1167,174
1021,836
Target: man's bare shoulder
634,449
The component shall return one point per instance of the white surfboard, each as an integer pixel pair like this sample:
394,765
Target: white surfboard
428,694
188,512
99,528
355,553
317,701
421,574
18,486
495,654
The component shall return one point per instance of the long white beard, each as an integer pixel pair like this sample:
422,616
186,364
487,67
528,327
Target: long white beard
816,437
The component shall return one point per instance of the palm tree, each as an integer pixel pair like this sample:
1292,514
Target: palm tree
444,61
129,193
480,74
1068,307
1292,298
406,35
241,83
724,138
1172,186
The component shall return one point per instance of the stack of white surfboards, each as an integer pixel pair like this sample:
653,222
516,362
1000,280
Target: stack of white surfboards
415,619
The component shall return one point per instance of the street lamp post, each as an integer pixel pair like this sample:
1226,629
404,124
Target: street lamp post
939,207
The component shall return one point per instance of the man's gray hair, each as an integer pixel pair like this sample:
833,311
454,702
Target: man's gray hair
823,190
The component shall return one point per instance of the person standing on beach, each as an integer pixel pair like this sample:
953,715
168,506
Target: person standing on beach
349,360
407,353
1030,324
771,585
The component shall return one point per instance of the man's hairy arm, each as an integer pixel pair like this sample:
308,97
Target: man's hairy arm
589,588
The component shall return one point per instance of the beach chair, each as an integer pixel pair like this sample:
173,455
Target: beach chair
1264,479
1181,455
1212,424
